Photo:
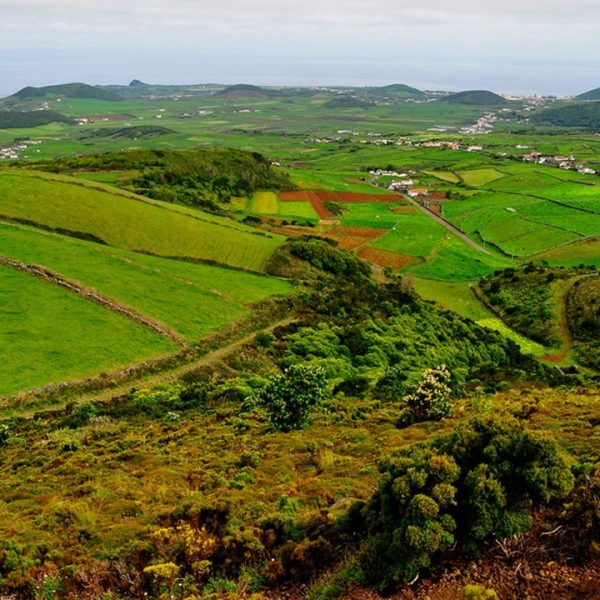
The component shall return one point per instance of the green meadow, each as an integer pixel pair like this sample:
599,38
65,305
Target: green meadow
190,298
49,335
134,224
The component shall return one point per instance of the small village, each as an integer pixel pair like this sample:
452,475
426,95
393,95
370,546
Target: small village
14,150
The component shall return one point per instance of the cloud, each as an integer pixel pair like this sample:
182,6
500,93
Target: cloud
440,33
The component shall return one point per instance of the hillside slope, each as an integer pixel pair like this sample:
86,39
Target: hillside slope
69,90
191,299
585,115
132,222
13,119
590,95
475,97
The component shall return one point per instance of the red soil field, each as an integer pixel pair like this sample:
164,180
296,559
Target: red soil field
351,243
319,207
358,197
299,196
327,195
362,232
384,258
404,209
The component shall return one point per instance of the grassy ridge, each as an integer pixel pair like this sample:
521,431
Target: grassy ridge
192,299
48,335
147,226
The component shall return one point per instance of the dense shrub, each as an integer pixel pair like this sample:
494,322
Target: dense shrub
324,256
392,384
428,401
462,488
290,398
4,434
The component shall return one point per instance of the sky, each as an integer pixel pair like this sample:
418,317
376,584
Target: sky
509,46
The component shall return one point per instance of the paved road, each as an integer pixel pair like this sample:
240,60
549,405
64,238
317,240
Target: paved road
457,232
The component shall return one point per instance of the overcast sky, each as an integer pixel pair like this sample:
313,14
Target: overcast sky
544,46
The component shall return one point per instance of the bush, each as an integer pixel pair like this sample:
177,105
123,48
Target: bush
392,385
4,435
290,398
428,401
462,488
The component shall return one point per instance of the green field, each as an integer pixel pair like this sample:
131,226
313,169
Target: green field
132,223
192,299
478,177
49,335
268,204
373,214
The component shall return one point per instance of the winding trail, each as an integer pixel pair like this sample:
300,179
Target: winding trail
168,369
567,341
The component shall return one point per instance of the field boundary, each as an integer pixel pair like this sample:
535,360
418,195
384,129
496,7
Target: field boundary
93,296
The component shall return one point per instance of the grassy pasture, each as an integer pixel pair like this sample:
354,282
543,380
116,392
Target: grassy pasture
413,234
446,176
264,203
453,260
520,225
269,204
193,299
370,214
49,335
133,224
479,177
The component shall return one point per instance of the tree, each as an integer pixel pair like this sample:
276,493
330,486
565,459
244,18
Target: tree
290,398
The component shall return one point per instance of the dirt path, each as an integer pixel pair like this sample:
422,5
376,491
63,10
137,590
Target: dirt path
90,294
120,382
564,332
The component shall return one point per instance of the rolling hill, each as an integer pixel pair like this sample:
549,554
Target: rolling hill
585,115
69,90
590,95
14,119
475,97
401,89
124,220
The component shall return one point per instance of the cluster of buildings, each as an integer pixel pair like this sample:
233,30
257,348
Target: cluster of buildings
13,151
568,163
483,126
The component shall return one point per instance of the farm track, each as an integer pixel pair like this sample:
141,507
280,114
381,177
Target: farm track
167,369
93,296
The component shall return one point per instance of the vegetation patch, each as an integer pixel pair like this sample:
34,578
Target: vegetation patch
132,222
